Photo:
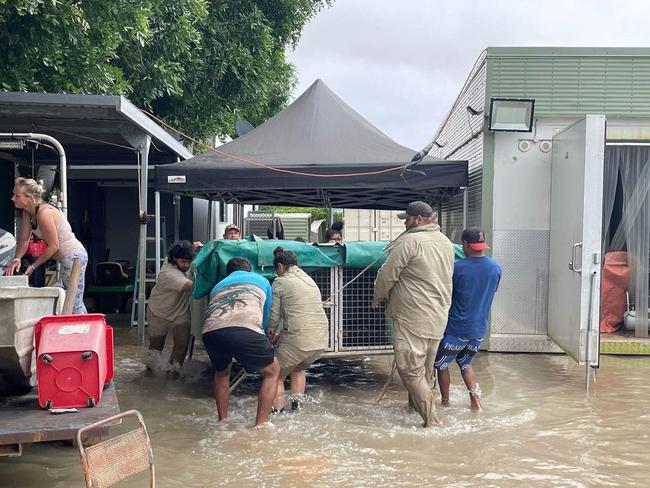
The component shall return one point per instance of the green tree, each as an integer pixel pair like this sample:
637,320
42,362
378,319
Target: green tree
198,64
316,213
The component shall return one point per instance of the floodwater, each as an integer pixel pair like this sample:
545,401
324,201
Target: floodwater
538,428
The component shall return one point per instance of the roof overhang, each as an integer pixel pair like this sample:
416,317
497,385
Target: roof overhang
93,129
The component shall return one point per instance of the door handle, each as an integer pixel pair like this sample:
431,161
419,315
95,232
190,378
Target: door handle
572,266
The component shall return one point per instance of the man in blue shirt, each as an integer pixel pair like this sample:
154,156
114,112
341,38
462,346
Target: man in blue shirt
234,327
475,281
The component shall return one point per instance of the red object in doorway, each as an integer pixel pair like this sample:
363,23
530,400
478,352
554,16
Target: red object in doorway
74,360
613,285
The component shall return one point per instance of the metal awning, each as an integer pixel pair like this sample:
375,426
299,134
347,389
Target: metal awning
93,129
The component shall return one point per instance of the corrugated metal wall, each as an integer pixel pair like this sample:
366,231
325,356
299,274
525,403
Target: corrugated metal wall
461,138
295,224
573,81
371,225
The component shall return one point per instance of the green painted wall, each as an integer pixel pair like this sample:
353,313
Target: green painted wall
573,81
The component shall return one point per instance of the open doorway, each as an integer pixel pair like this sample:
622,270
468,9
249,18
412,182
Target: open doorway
626,245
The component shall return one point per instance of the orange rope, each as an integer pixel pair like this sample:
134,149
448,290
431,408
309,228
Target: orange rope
269,167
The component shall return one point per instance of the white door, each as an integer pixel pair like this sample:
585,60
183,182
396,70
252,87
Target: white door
575,247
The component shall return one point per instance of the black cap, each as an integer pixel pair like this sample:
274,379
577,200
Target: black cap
475,238
416,208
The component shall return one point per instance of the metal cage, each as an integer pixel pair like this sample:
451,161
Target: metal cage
355,327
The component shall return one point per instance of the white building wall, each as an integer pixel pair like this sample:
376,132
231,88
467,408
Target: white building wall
521,221
521,227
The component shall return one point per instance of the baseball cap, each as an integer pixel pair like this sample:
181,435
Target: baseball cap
416,208
475,238
230,227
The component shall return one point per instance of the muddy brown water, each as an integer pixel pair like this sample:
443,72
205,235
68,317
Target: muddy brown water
538,428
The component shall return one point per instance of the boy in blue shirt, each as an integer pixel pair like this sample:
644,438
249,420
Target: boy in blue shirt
475,281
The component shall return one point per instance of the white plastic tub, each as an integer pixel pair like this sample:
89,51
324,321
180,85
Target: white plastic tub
21,307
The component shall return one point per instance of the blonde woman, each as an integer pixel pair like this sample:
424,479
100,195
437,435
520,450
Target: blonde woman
48,223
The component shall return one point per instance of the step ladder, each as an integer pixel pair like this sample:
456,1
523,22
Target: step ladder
151,268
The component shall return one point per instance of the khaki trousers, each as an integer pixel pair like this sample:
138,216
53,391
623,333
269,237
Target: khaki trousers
414,358
158,330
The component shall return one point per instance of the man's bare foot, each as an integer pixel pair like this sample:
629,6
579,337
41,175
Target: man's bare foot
474,403
444,402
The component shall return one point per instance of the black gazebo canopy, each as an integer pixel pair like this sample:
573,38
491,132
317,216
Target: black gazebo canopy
316,152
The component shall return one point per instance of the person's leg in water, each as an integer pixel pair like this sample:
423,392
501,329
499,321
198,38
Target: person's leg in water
221,388
268,389
411,353
158,330
278,404
444,379
448,351
181,332
298,386
472,387
464,360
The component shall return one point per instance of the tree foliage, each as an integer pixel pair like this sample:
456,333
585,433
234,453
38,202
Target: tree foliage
199,64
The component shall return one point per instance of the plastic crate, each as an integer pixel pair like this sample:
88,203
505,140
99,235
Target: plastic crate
74,360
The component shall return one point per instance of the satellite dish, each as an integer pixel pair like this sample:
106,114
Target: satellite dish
47,174
242,127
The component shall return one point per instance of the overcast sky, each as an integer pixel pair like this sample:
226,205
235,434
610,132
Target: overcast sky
401,63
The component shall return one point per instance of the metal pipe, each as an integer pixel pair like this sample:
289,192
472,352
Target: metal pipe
157,230
210,219
177,211
62,160
465,206
177,216
142,272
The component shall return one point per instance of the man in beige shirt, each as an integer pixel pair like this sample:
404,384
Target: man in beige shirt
169,303
415,282
297,302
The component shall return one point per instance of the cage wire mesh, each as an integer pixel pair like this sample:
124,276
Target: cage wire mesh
324,278
362,327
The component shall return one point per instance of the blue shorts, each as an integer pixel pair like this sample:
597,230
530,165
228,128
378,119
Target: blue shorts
452,347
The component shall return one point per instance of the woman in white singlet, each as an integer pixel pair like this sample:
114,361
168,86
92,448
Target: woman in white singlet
48,223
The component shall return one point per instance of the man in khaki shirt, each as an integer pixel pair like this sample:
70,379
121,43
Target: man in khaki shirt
415,282
169,303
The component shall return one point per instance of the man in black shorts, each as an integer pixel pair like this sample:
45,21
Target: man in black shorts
235,320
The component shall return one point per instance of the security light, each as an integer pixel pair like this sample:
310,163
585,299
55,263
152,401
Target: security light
511,114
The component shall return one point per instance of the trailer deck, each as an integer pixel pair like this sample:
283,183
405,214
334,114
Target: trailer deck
24,422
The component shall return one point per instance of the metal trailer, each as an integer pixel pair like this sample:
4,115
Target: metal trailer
24,422
539,195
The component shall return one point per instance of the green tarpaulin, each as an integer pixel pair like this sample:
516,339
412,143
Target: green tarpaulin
210,263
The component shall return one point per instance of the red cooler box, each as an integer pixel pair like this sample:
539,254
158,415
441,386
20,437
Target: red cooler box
74,360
